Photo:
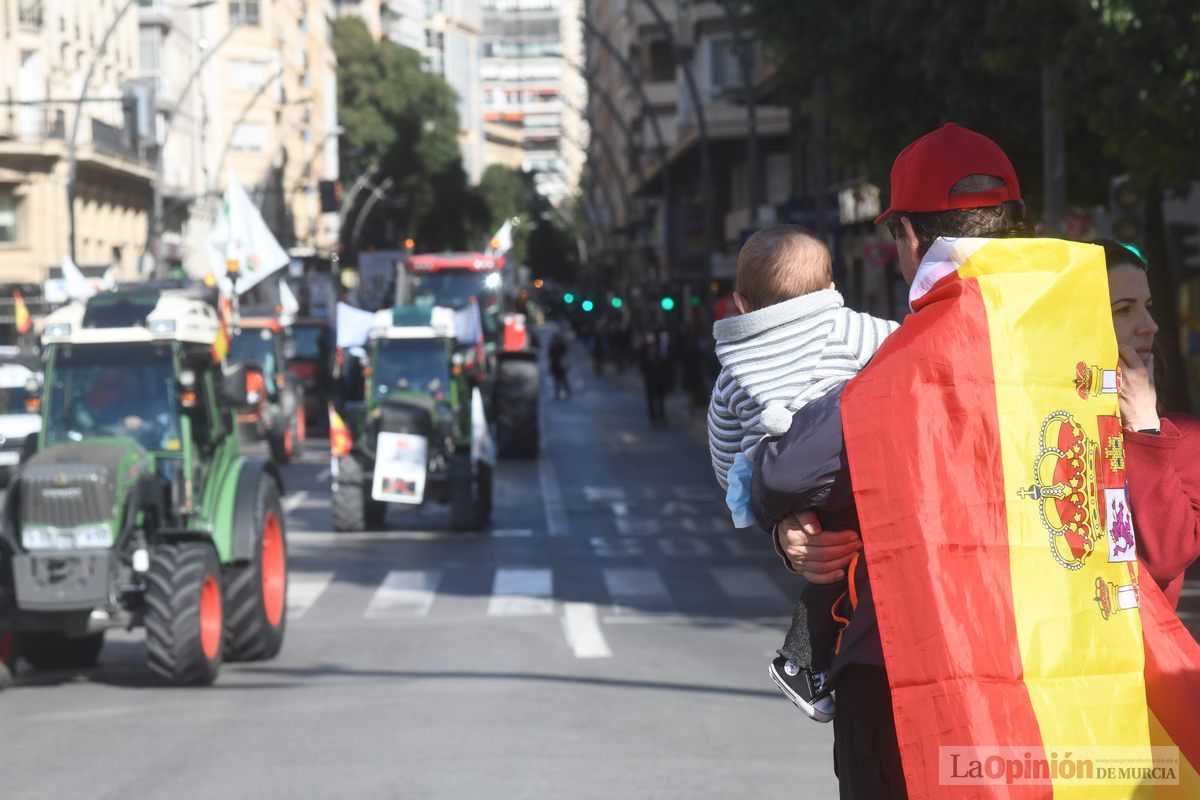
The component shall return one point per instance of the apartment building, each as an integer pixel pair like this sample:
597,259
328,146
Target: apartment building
401,21
47,47
452,50
532,85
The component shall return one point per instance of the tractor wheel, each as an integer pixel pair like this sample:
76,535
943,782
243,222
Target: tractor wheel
283,443
8,658
184,615
349,497
256,593
45,650
470,495
517,385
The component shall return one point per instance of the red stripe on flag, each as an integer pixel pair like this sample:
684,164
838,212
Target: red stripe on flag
923,441
1172,683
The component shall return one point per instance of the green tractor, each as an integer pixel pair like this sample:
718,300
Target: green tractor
420,432
138,508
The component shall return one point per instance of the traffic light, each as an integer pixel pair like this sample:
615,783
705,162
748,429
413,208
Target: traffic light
694,301
409,243
587,305
568,298
667,303
617,302
1127,206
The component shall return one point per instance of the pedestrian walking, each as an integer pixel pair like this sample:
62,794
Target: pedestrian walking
657,373
559,367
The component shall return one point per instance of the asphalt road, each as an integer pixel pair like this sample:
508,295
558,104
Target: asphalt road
607,637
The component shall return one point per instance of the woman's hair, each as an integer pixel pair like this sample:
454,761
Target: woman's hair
1116,252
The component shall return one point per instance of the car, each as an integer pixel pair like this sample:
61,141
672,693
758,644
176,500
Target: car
20,388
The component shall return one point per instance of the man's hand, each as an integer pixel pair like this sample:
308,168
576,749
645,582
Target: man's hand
820,556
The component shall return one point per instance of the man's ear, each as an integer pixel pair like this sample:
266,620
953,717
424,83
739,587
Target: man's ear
739,302
909,241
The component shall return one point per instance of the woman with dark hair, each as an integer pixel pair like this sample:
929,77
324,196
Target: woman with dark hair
1162,467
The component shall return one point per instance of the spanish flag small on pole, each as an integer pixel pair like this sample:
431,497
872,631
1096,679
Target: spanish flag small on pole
340,440
21,314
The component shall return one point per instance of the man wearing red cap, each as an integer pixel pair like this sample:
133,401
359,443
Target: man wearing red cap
948,184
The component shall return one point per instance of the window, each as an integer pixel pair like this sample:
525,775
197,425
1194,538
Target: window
249,137
245,12
8,218
725,67
245,75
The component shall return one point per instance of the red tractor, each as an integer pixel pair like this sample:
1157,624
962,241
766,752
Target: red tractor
507,366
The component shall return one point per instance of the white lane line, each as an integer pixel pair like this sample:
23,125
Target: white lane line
603,494
1190,591
303,590
636,588
748,583
293,500
684,547
324,475
404,593
556,516
581,626
521,593
512,533
631,526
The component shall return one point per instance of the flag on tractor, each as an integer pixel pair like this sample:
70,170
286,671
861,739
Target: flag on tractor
340,440
241,245
220,347
985,450
21,313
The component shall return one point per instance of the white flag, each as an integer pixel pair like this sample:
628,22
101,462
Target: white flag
241,235
353,325
78,287
501,242
289,303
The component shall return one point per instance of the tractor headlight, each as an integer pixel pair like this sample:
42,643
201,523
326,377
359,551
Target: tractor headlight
82,537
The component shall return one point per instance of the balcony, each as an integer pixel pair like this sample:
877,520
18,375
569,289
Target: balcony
29,14
30,123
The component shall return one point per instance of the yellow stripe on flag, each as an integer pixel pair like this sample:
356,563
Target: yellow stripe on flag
1080,642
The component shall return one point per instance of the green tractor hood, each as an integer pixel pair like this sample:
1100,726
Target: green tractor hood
68,485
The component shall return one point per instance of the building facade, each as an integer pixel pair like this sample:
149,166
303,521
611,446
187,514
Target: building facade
47,47
452,30
532,84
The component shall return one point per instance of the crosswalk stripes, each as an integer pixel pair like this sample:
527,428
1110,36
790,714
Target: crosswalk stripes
521,593
304,589
404,593
525,592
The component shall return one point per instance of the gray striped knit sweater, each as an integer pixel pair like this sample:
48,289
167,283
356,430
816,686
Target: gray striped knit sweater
777,359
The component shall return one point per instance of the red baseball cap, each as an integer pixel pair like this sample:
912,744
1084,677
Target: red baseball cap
926,171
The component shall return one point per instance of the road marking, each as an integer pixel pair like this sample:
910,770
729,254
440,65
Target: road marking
620,509
512,533
636,586
556,517
684,547
748,583
581,626
737,548
1190,591
303,589
616,548
603,494
521,593
293,501
324,475
627,526
404,593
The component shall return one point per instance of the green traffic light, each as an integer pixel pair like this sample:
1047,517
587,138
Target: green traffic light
587,305
668,303
694,301
568,298
617,302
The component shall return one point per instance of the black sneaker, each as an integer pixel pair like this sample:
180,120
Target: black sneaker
806,689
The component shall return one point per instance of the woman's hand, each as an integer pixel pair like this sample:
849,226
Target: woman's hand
1137,397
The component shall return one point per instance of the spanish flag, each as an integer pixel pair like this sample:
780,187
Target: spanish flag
220,347
21,313
1026,659
341,442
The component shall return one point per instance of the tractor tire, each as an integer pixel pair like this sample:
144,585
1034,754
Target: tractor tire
348,500
516,395
470,495
283,443
8,657
184,614
256,593
45,650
